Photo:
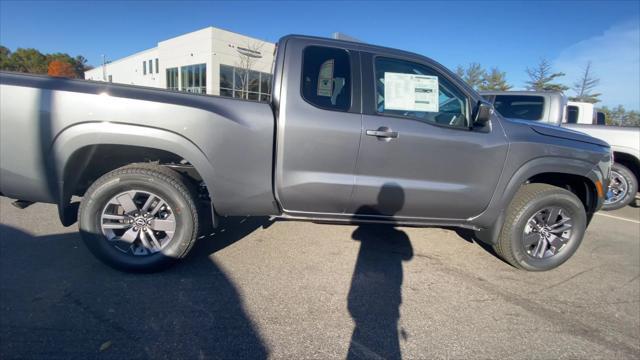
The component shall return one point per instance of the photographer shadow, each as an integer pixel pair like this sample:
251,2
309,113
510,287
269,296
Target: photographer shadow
376,286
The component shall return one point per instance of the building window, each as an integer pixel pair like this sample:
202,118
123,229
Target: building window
157,67
150,67
172,79
144,68
245,84
194,78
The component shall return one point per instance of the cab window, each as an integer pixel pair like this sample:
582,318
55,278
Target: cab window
572,114
418,92
326,78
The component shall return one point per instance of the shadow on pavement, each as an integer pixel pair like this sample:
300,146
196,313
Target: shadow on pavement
58,301
376,286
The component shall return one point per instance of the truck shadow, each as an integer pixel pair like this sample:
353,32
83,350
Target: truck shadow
57,300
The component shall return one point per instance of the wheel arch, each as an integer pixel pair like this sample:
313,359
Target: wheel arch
99,147
629,161
575,175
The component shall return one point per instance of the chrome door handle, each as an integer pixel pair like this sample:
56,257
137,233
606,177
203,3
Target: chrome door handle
383,133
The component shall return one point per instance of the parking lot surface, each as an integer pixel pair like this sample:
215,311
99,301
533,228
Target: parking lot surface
257,289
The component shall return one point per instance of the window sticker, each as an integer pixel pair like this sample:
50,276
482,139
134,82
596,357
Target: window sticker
410,92
325,79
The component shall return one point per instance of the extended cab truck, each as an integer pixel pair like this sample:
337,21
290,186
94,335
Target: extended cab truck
552,107
354,133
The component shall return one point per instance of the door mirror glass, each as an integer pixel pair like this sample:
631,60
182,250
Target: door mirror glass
482,114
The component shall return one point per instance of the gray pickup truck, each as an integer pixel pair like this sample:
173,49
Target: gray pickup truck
354,133
552,107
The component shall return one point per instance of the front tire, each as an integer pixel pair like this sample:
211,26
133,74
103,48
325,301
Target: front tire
622,188
543,228
139,218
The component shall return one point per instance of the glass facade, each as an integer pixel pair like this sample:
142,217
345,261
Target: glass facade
194,78
245,84
172,79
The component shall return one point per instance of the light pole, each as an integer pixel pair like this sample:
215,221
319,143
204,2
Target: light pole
104,68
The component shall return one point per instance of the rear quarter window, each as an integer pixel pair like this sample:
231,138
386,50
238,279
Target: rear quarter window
326,77
520,106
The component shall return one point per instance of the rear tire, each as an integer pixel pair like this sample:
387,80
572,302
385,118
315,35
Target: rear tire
139,218
622,180
543,228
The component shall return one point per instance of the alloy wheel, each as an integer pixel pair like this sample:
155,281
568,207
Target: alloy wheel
547,232
139,223
618,188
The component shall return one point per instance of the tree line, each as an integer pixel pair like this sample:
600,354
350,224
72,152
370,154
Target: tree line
34,62
543,78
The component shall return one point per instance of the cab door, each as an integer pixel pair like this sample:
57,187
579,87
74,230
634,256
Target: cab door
418,145
318,127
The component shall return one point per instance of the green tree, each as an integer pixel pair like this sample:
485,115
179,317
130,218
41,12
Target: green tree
5,58
32,61
81,66
495,80
29,61
584,86
541,78
473,75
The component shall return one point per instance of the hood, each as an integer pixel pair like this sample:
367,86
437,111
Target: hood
560,132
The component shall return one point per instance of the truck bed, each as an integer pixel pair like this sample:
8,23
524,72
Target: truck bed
49,124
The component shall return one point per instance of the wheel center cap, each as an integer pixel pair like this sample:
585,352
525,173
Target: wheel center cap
140,221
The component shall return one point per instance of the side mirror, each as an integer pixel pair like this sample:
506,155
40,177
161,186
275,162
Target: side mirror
600,118
483,113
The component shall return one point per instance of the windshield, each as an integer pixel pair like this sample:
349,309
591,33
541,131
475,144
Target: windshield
520,106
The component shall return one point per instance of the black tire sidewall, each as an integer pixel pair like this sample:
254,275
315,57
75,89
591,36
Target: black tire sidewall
97,243
576,211
632,184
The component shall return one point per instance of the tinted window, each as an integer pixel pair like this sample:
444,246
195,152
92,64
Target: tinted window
194,78
520,106
172,79
572,114
326,77
157,66
416,91
144,68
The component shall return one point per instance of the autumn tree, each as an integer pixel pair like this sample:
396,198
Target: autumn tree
585,85
495,80
542,76
61,69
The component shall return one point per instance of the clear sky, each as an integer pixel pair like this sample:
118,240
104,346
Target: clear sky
508,34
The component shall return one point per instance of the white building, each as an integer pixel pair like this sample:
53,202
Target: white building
211,61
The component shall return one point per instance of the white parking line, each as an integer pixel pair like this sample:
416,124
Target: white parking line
619,218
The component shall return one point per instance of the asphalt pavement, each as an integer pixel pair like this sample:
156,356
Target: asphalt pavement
296,290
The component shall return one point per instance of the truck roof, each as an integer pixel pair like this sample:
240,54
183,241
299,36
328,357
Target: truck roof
523,92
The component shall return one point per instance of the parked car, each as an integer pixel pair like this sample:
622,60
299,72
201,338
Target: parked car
355,133
553,108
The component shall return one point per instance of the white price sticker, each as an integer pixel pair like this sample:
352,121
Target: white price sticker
410,92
